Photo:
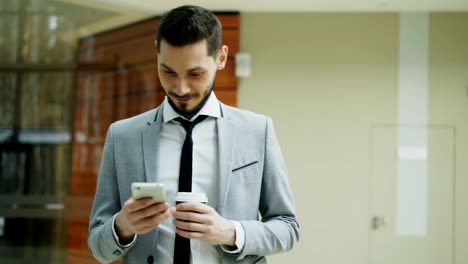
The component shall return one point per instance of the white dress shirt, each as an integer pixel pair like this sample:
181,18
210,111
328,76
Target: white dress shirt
204,177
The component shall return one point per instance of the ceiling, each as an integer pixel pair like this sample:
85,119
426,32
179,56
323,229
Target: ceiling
92,16
158,6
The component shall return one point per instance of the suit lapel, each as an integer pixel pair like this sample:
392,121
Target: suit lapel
151,146
226,133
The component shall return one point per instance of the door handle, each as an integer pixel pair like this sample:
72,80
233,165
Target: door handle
378,222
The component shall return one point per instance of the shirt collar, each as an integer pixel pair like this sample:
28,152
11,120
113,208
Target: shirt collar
211,108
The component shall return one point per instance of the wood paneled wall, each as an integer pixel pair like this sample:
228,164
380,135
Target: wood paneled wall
117,78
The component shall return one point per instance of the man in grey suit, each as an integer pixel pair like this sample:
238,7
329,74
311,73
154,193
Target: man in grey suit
235,156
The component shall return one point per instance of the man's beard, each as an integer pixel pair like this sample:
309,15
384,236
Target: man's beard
194,111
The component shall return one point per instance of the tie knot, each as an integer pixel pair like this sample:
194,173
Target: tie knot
188,125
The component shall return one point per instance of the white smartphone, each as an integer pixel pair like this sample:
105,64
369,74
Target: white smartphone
149,189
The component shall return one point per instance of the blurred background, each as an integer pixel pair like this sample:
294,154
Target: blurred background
369,100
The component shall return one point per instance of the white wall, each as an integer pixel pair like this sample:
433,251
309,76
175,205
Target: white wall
448,100
326,79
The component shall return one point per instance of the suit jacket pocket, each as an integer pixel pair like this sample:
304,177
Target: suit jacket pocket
247,173
245,166
244,190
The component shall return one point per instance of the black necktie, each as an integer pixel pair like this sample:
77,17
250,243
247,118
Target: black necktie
182,244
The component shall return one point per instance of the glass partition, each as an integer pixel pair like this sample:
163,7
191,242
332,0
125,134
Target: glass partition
36,49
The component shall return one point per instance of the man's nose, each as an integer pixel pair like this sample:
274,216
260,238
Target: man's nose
181,87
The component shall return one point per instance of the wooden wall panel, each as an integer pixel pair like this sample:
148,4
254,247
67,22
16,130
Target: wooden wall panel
229,20
228,97
125,84
146,27
230,38
132,50
226,78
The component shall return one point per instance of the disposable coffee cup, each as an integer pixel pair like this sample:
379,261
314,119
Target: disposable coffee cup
191,197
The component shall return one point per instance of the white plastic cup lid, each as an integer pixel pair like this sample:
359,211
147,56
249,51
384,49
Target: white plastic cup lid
191,197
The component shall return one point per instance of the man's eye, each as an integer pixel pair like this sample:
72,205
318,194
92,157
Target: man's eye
170,72
195,74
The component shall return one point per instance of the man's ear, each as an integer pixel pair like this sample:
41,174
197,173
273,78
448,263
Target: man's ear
222,57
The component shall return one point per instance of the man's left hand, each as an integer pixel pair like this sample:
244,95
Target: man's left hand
200,221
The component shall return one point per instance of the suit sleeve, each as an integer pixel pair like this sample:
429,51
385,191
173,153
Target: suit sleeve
278,230
106,205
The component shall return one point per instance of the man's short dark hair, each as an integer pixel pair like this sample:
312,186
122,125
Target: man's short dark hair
190,24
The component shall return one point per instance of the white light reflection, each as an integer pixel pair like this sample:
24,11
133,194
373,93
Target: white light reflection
412,194
53,22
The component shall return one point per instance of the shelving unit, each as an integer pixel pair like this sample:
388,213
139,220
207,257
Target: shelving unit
17,139
35,160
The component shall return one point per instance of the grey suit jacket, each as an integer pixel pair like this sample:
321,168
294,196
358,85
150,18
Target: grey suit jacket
252,179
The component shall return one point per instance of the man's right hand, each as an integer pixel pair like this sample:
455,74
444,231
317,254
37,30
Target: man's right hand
139,217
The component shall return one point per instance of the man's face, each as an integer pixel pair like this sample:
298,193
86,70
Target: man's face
187,74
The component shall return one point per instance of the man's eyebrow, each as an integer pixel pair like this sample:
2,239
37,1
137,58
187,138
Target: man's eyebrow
165,66
198,68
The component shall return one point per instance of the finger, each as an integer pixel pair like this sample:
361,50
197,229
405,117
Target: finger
190,226
133,205
194,207
152,221
191,217
188,234
151,210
